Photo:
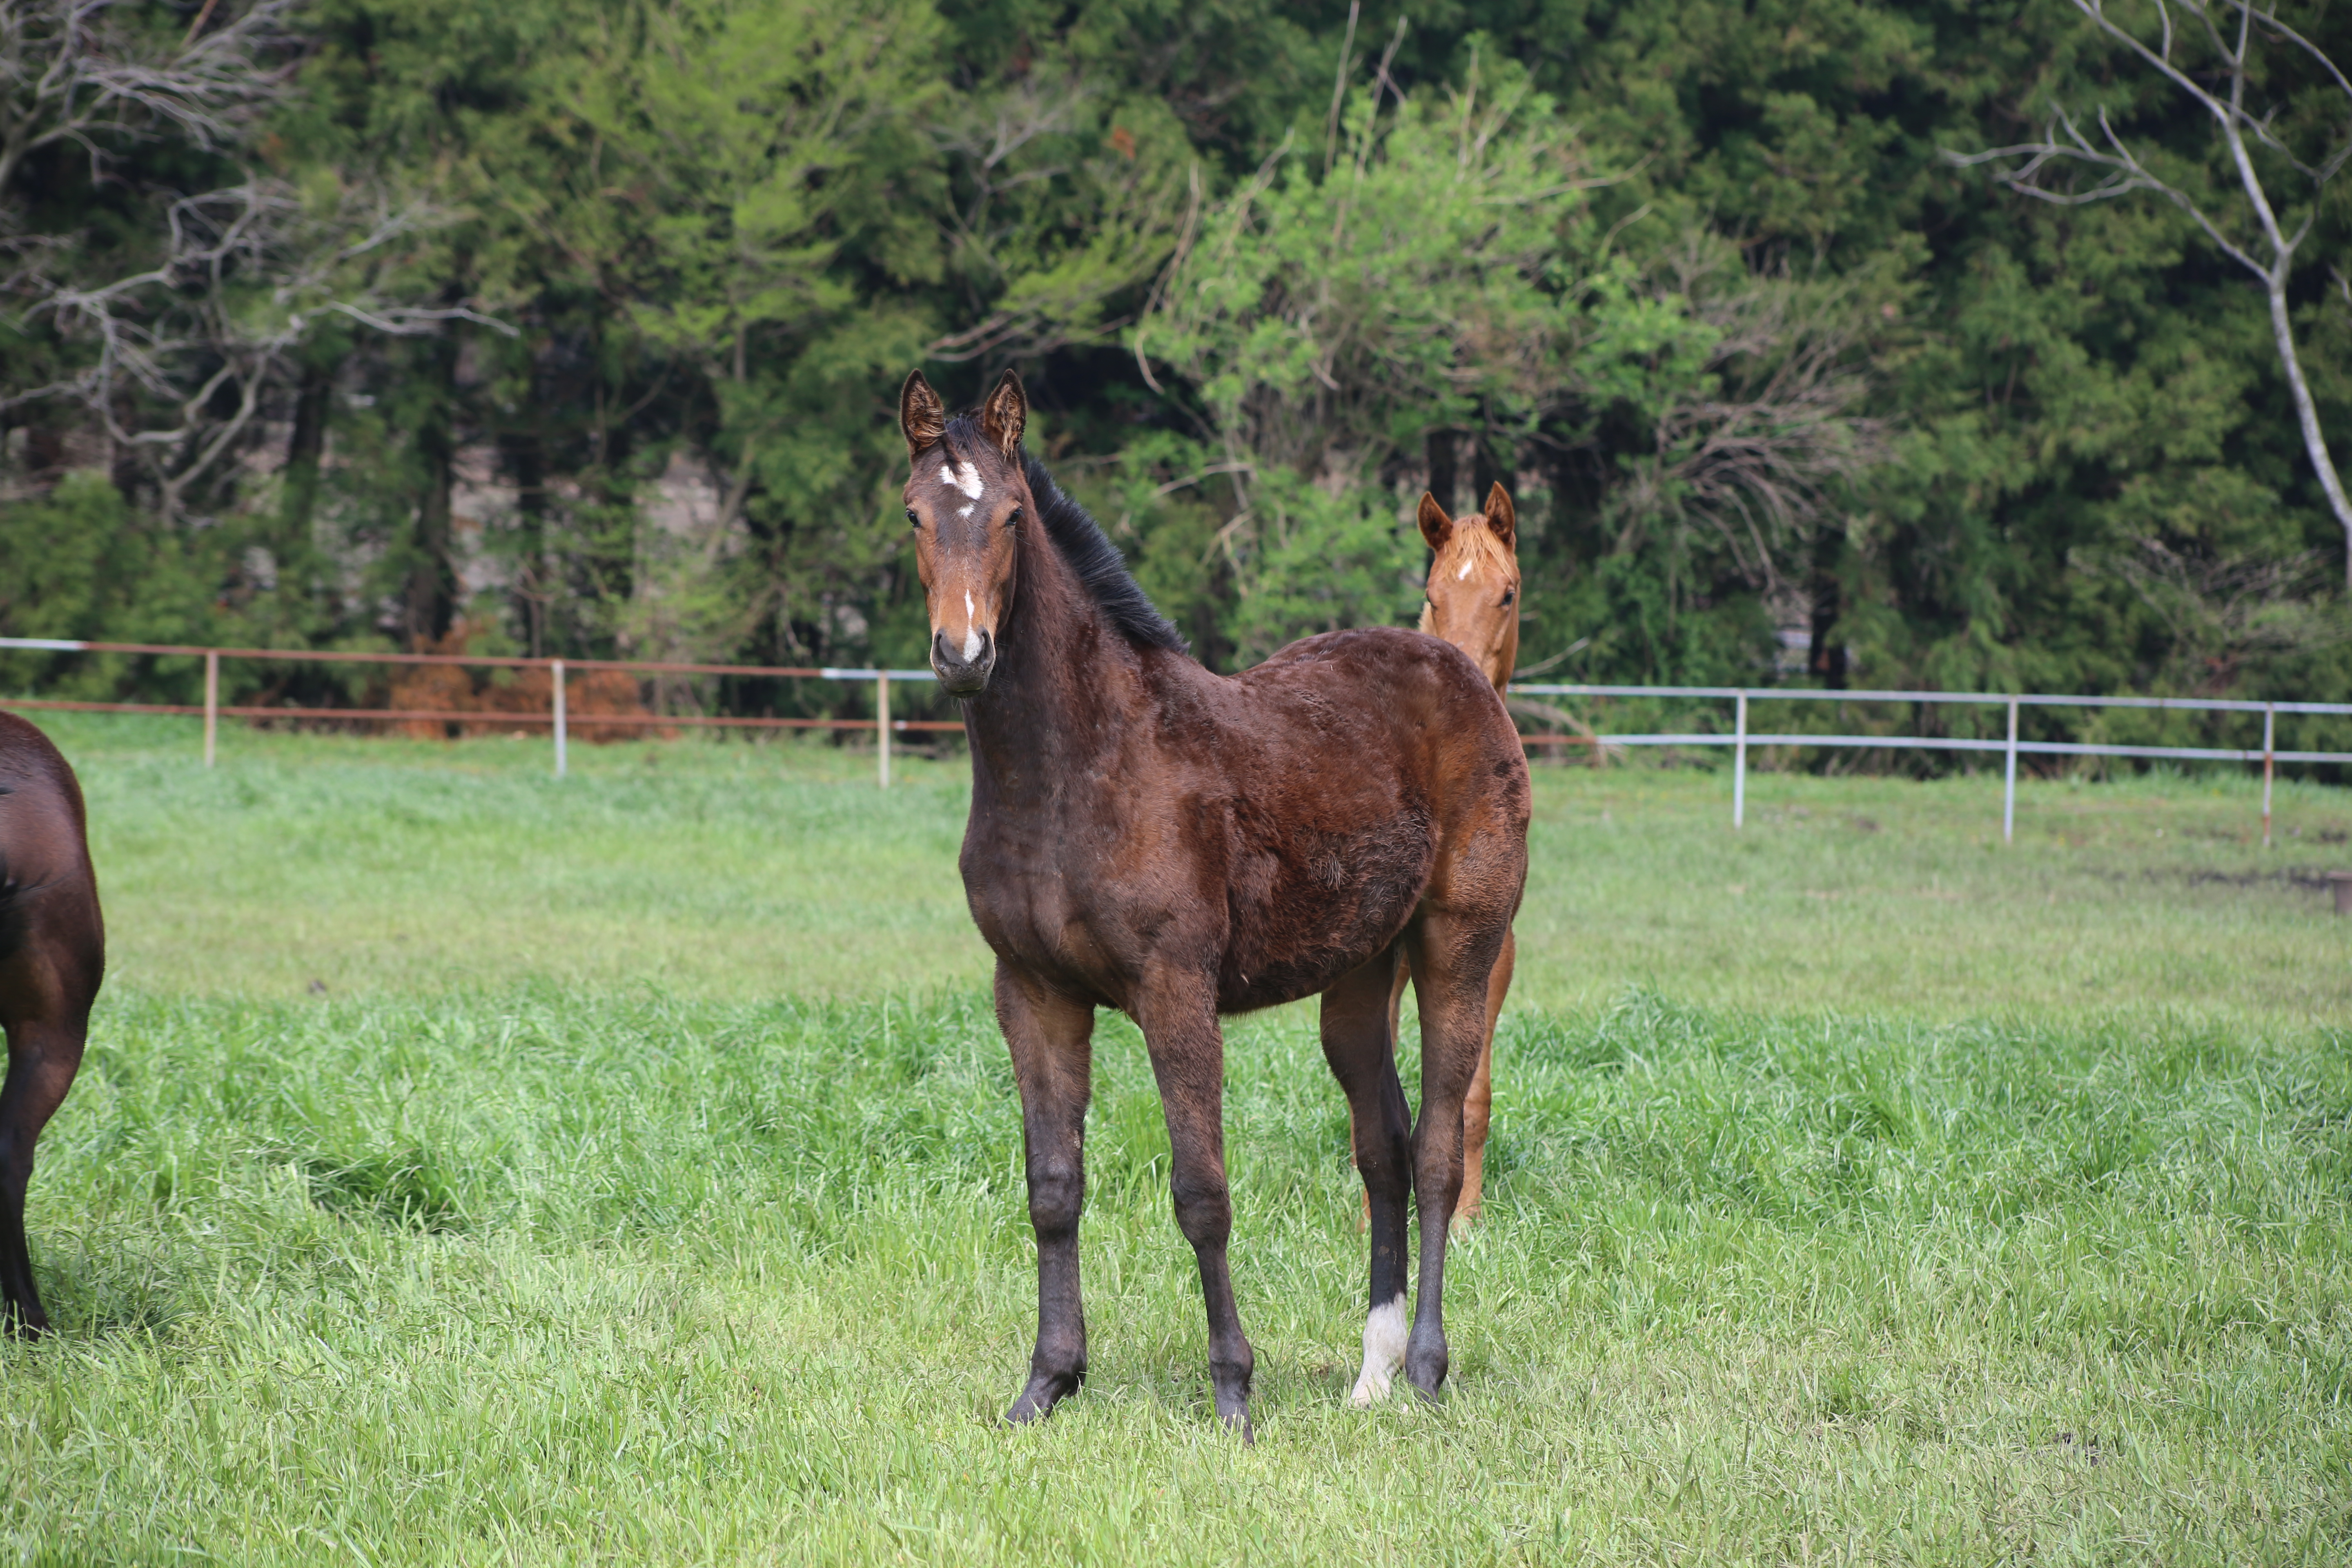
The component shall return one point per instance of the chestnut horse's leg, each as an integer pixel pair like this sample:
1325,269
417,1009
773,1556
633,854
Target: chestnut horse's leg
1177,1012
1359,1042
43,1057
1477,1107
1453,956
1051,1038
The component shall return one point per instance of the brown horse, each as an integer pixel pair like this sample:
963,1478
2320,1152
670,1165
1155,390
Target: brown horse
1149,836
1473,601
52,952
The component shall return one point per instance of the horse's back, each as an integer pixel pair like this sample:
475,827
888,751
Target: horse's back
1364,764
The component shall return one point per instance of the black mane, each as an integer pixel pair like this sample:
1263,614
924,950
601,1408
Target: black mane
1098,564
1082,542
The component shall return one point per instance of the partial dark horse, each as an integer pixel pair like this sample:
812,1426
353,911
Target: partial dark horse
1149,836
52,952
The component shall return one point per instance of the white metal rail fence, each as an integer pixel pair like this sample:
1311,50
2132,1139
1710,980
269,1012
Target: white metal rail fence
558,717
1739,737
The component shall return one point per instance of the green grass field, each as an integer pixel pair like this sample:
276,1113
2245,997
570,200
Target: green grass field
473,1168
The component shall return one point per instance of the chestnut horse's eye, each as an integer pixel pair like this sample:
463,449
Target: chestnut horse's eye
913,519
1509,594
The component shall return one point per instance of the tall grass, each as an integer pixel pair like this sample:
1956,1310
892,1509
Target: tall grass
517,1276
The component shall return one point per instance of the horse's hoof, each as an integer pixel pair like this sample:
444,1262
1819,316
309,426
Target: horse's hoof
1425,1368
1037,1401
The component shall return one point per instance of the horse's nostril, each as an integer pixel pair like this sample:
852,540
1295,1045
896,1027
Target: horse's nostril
976,649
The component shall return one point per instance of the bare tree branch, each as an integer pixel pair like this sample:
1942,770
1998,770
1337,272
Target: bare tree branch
246,273
84,72
2241,130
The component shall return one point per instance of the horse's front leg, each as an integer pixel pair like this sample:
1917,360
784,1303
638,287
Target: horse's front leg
1177,1013
1051,1038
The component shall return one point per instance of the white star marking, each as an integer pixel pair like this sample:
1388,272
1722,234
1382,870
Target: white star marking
966,478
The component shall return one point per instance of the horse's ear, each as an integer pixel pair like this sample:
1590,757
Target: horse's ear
1499,515
922,417
1004,413
1435,526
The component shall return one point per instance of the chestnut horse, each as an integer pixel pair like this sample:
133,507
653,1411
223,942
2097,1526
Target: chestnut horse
1473,601
52,952
1178,845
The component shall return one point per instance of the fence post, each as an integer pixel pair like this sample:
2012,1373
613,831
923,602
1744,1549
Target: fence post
1739,768
882,722
2270,733
555,673
2009,780
213,702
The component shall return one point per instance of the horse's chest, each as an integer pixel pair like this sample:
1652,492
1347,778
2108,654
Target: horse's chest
1083,897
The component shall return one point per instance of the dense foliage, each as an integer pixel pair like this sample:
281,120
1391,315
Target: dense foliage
573,326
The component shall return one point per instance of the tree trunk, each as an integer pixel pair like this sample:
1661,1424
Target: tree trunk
1442,478
1483,471
526,461
2306,415
304,449
431,601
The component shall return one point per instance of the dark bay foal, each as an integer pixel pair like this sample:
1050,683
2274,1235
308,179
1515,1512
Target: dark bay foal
1178,845
52,952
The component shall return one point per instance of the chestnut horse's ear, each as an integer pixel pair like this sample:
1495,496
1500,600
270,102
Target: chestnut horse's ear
922,417
1435,526
1004,413
1499,515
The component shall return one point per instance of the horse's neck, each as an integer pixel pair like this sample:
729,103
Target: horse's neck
1061,668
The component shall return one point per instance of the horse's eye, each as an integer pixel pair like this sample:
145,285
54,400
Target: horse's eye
1013,516
1509,594
913,519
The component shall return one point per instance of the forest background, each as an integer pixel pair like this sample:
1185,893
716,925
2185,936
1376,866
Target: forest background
574,327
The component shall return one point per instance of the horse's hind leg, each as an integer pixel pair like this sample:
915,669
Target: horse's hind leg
1453,956
1051,1038
1477,1106
1359,1041
42,1059
1177,1013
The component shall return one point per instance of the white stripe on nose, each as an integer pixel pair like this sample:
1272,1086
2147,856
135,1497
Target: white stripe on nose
970,626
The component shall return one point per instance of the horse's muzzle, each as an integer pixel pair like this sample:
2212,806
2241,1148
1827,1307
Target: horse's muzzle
963,676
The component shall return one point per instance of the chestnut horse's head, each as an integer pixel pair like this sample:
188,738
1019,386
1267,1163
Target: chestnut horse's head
965,499
1473,598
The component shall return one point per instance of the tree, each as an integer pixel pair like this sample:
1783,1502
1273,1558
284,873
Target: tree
1328,317
101,76
2300,130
